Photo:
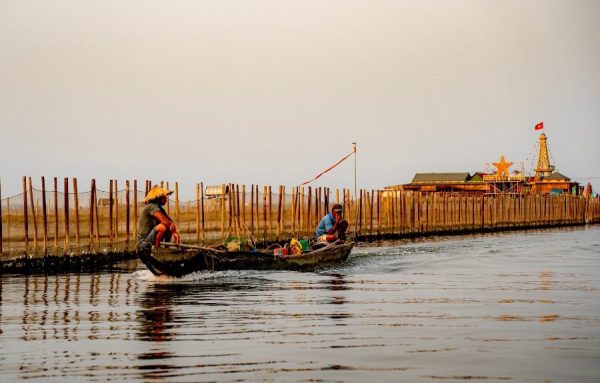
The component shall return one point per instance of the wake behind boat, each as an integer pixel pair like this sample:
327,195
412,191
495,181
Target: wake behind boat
178,260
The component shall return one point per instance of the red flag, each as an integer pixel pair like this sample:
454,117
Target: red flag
539,126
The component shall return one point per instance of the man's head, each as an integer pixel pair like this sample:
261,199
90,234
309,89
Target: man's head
337,209
161,200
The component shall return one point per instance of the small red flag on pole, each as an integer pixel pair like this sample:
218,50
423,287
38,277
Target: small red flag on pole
539,126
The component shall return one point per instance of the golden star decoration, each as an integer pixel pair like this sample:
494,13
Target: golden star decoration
502,166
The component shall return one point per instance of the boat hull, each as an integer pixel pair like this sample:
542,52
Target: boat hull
177,262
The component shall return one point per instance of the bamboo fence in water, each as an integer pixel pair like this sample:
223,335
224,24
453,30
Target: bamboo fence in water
47,221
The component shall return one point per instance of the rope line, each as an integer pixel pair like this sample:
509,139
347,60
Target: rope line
329,168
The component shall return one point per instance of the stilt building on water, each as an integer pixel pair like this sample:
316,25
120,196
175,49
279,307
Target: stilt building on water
545,180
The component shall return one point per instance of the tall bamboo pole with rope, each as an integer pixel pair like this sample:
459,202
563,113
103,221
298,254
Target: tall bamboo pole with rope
353,152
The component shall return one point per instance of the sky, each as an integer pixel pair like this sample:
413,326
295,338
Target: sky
274,91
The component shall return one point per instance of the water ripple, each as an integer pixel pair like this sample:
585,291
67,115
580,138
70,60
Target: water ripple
514,306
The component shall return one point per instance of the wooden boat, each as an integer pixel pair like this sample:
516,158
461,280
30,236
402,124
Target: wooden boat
179,260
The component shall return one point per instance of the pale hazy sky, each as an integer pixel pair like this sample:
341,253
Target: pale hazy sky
275,91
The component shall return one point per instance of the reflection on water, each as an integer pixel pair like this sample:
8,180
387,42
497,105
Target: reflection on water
519,307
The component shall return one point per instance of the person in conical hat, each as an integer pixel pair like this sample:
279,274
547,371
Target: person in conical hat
154,224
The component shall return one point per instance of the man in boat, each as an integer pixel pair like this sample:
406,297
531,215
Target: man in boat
333,226
155,225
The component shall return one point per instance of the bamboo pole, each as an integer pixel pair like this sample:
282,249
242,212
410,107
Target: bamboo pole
344,206
406,197
386,206
222,210
402,212
472,213
243,212
337,196
283,208
33,216
431,212
92,205
127,214
444,212
526,210
323,204
360,210
135,208
293,210
366,210
97,215
300,209
413,214
66,212
110,212
256,216
279,206
252,210
309,207
371,212
270,209
482,212
319,204
55,213
202,209
25,216
392,209
428,213
177,202
420,212
232,210
44,219
230,204
264,217
116,227
317,198
302,220
198,212
463,210
378,212
76,201
237,208
458,213
353,208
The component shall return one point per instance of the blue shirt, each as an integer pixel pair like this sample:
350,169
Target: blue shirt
325,225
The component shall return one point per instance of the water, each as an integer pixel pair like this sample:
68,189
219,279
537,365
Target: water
521,306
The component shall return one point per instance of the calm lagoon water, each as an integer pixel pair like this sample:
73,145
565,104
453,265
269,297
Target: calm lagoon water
518,306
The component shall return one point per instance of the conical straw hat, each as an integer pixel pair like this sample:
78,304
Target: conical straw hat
156,192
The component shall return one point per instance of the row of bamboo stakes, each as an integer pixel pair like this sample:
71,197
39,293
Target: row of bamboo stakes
374,213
